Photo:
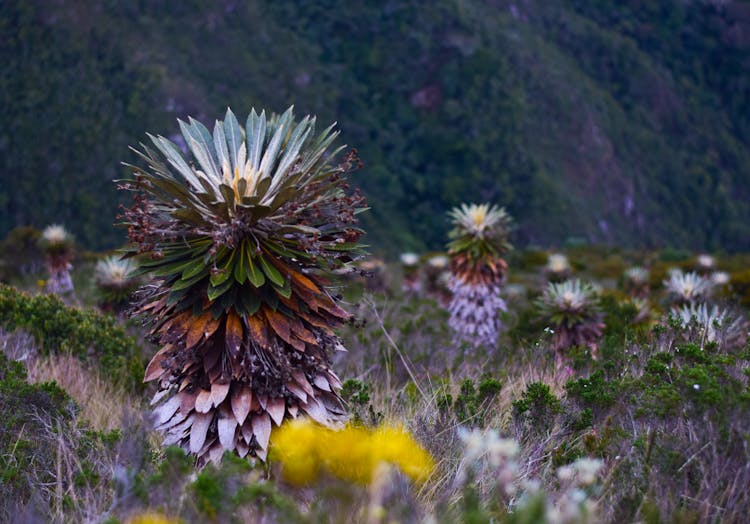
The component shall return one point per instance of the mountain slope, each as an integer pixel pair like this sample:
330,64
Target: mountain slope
624,124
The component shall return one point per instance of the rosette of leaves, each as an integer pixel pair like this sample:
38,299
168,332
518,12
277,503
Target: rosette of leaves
557,268
572,310
478,241
239,236
57,244
635,281
115,280
702,323
687,288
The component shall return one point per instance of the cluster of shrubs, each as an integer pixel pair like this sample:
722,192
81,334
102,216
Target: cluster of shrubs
86,333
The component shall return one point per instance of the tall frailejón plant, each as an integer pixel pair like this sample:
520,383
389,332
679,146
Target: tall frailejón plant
478,240
58,247
238,236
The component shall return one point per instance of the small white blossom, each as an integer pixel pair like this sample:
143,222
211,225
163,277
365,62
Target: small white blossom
720,278
409,259
706,261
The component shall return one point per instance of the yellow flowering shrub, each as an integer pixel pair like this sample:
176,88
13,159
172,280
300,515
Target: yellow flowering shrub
152,518
305,450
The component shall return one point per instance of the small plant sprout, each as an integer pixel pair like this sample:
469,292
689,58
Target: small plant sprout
477,243
115,280
635,281
703,323
687,288
557,268
571,307
238,239
58,247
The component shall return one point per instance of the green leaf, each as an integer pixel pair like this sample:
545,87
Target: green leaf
190,215
220,145
201,144
240,266
215,292
225,271
271,272
254,274
228,194
184,284
228,299
176,296
256,135
285,290
174,268
198,266
234,138
249,301
271,298
272,150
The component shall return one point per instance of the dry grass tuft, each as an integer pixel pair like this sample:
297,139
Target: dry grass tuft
103,404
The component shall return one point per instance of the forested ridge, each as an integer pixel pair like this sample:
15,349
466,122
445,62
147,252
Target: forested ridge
624,123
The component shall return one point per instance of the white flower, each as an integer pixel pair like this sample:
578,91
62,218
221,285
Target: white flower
409,259
473,441
583,471
557,263
706,261
438,262
688,287
720,278
500,449
565,473
588,470
55,234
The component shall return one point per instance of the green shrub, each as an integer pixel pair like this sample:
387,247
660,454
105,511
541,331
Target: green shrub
20,254
537,407
86,333
38,436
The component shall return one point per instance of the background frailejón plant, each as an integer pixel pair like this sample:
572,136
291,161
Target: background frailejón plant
237,238
687,288
115,281
57,244
572,310
477,243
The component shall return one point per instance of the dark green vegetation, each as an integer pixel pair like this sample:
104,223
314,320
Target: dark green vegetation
43,450
86,333
620,123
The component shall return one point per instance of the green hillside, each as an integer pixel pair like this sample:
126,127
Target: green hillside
623,124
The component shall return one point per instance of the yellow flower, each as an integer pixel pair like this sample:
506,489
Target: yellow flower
151,518
354,453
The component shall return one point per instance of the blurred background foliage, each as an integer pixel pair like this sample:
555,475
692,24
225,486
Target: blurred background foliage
621,123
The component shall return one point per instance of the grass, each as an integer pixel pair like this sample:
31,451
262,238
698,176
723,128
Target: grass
670,452
104,404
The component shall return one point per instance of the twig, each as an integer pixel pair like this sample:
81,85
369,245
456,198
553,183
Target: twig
688,461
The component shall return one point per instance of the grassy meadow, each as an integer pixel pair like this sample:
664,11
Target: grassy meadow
650,424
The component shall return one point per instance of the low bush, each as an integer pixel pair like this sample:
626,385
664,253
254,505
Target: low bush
85,333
